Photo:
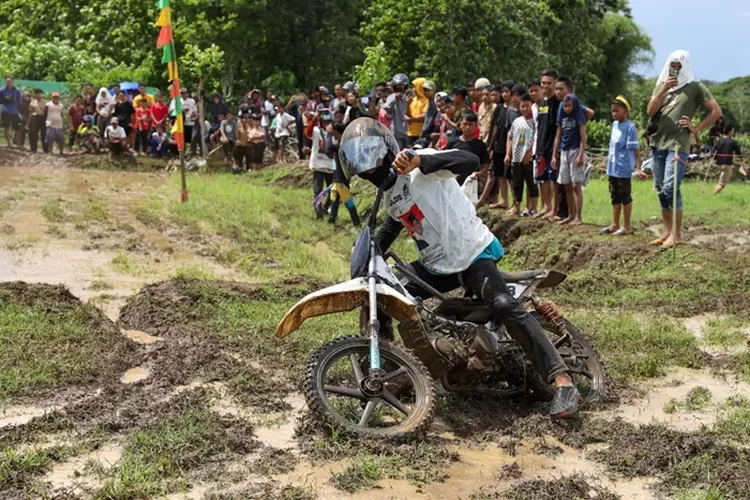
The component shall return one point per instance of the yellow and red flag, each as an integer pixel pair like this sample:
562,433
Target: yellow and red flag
166,41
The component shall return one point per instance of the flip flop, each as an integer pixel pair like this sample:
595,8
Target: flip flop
525,213
622,232
668,246
657,241
607,230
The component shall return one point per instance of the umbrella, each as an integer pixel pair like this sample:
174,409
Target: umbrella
128,86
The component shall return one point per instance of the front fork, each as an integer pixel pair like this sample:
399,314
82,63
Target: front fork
374,323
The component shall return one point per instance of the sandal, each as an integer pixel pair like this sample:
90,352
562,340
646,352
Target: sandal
608,230
525,213
622,232
658,241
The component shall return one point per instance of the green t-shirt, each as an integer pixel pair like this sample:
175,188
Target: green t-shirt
682,102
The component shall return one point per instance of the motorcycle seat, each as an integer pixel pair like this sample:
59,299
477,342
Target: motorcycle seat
521,275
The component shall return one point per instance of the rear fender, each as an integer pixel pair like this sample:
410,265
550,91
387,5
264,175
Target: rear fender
347,296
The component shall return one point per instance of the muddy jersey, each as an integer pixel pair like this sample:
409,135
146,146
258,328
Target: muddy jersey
439,217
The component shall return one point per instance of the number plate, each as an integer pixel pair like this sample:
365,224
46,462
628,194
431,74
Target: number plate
517,289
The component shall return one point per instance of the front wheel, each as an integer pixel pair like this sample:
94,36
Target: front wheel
398,405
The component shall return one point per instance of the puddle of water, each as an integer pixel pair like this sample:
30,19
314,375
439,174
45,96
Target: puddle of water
140,337
696,324
281,435
676,386
135,375
70,474
11,416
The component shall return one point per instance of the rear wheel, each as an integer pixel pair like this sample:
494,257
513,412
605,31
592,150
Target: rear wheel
584,363
398,405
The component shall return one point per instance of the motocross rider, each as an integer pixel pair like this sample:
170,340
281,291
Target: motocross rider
455,247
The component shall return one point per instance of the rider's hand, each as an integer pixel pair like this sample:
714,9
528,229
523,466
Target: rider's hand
406,161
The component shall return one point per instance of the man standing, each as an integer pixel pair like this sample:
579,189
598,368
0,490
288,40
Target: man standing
676,98
10,100
546,130
55,123
89,100
418,105
75,119
37,127
268,112
395,109
142,94
189,113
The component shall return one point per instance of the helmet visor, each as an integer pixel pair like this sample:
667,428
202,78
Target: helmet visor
362,154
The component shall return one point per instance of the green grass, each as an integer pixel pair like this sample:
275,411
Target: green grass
123,263
22,242
156,459
268,232
697,399
726,332
43,346
734,422
728,210
712,493
54,211
17,468
639,346
195,272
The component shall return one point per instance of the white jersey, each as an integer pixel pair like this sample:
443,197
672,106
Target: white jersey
318,159
439,217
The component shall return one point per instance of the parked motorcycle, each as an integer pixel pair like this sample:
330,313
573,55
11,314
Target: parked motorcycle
373,387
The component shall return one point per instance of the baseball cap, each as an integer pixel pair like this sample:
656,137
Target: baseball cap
55,94
429,85
323,89
115,120
349,86
622,101
183,89
482,83
441,95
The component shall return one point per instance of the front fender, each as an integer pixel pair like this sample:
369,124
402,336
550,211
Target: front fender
347,296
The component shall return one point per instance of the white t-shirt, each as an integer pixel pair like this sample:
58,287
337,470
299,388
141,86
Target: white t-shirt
189,108
54,115
439,217
115,133
265,120
282,124
319,160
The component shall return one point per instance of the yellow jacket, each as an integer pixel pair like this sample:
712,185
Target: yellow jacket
418,107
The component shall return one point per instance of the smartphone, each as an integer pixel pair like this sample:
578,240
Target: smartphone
675,72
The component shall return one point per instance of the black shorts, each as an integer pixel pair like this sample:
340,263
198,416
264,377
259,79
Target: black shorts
499,168
280,142
10,120
256,152
620,191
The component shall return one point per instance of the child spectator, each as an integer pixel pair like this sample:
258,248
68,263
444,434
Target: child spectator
518,155
546,128
282,125
159,139
54,123
159,111
340,189
570,147
501,175
23,114
215,133
124,112
75,119
257,139
467,142
485,113
726,149
459,103
228,136
143,120
321,159
624,157
89,101
535,92
448,126
142,95
416,111
37,126
242,145
116,136
89,135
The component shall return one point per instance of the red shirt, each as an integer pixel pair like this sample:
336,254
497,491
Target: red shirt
143,119
159,111
76,115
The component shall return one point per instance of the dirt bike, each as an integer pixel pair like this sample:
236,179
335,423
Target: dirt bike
373,387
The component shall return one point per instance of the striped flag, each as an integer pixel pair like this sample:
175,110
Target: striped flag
165,40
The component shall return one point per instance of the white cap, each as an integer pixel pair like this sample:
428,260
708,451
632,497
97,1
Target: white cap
482,83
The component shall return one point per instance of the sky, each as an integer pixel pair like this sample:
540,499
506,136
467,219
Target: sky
715,32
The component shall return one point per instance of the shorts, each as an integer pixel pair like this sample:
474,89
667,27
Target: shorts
499,168
726,174
543,171
280,142
569,172
256,152
55,135
620,191
10,120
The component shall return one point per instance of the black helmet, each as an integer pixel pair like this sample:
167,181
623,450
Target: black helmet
366,145
401,79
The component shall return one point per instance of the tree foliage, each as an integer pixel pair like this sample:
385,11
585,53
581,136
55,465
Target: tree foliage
236,45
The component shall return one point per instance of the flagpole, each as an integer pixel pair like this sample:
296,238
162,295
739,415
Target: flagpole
166,40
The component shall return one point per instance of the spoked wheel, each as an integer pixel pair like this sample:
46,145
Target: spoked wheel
584,363
399,405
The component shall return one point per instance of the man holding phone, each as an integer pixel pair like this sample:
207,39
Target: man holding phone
676,98
395,107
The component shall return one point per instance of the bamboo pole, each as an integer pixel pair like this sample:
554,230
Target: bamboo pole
676,177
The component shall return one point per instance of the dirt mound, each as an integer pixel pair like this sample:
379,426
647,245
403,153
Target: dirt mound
54,341
566,487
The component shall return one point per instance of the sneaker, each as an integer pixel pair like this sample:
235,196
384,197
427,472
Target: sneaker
566,403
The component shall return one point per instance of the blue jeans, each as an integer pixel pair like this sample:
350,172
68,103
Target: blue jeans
156,150
664,177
